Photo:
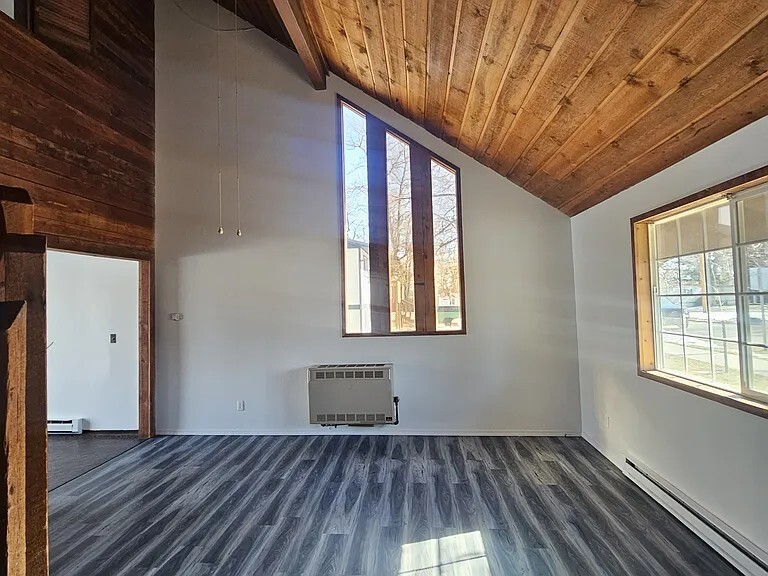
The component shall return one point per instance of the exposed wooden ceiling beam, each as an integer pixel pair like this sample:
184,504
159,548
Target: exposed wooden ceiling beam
303,40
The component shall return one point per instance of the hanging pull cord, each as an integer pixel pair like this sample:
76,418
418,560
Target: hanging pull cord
237,125
218,110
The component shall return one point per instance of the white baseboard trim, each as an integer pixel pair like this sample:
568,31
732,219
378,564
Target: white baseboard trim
730,544
342,430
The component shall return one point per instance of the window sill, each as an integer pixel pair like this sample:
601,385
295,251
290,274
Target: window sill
391,334
732,399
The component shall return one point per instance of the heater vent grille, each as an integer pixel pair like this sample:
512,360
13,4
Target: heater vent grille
358,394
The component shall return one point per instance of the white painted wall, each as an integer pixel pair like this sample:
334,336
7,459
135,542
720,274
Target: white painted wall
90,298
259,309
715,454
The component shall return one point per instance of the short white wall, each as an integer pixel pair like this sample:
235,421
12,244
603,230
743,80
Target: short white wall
89,298
715,454
259,309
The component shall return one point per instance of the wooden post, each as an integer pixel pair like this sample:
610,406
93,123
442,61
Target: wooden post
146,350
22,279
13,341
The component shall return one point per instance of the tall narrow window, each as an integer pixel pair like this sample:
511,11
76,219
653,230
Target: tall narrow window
402,306
357,279
701,273
445,225
402,233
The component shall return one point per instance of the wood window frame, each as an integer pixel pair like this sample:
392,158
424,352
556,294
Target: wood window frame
24,13
423,260
146,348
642,279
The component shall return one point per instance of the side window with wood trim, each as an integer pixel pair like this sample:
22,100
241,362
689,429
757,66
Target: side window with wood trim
701,276
19,10
401,233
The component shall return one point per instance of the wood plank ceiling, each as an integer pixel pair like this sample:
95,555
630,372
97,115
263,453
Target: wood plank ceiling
574,100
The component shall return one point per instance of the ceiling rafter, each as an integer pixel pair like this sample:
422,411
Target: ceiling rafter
302,38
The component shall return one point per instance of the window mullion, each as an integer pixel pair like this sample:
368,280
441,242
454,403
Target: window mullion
423,240
738,272
378,235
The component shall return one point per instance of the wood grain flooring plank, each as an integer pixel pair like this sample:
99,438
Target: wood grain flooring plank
361,549
442,504
389,550
203,506
306,549
330,557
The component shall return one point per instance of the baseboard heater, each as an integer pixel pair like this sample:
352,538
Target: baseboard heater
352,395
67,426
743,554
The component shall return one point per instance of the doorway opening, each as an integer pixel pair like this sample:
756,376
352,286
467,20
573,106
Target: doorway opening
93,362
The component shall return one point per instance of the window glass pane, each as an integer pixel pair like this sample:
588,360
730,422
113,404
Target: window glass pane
7,7
666,239
757,324
671,313
672,357
692,233
717,226
669,276
720,279
700,331
722,317
757,361
445,225
357,281
401,291
692,274
753,213
725,358
698,359
695,316
755,261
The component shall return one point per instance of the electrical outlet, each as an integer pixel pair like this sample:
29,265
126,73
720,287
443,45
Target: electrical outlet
176,316
113,338
241,405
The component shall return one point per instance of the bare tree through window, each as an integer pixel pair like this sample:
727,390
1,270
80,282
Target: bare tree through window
420,214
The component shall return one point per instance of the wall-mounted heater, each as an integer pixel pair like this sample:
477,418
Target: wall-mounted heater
69,426
351,394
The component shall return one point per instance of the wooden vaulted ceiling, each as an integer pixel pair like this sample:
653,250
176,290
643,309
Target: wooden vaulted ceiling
574,100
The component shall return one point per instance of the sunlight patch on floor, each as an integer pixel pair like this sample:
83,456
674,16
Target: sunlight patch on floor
457,555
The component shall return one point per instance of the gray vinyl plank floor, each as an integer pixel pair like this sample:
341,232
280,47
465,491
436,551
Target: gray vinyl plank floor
70,456
366,505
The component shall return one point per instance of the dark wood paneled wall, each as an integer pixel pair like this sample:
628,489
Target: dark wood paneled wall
77,122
